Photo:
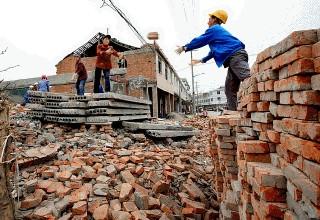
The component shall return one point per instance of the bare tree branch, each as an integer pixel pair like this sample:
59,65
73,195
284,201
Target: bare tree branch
3,51
10,67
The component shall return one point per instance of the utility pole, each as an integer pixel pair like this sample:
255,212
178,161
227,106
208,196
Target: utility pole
193,104
197,109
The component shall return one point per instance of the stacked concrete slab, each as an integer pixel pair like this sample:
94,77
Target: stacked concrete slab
92,109
224,151
279,146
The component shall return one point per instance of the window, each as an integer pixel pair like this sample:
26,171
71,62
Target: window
160,66
218,92
166,72
219,98
211,99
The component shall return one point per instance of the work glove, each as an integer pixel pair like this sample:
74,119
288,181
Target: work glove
179,50
195,62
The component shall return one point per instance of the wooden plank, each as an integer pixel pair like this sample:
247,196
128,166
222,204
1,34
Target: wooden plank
116,104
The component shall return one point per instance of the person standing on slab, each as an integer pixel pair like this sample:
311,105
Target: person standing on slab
226,50
82,76
103,63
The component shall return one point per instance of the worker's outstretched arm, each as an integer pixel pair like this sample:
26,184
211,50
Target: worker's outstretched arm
208,57
200,41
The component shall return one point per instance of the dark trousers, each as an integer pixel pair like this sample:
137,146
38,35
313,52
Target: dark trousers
80,84
238,71
97,77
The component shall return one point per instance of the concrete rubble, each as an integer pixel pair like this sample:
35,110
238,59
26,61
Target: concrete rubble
97,172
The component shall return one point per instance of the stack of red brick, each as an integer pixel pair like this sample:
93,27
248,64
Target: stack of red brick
280,136
224,150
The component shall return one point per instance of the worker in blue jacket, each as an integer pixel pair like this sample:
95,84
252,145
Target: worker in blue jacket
226,50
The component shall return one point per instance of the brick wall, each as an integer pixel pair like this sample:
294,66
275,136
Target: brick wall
140,63
278,134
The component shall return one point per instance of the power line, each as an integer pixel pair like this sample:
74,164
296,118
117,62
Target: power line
184,9
126,19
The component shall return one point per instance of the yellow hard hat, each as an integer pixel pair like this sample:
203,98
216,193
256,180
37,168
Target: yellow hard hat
221,14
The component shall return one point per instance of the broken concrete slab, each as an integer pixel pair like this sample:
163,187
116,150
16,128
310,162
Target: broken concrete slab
116,96
103,119
112,111
116,104
65,119
151,126
81,98
37,107
67,112
172,134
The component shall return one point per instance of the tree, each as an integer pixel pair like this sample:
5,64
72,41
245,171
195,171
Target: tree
6,203
7,68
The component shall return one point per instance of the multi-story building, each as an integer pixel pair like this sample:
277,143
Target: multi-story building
211,100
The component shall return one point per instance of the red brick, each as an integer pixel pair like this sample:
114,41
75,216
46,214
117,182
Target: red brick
303,112
64,175
286,98
198,208
263,106
194,192
295,193
79,208
261,126
312,170
269,85
135,159
306,97
125,192
308,130
293,83
260,86
302,182
160,187
291,56
127,177
264,55
263,158
101,213
273,136
271,194
301,66
267,64
33,200
297,38
308,149
316,50
316,63
289,215
253,146
252,107
315,82
269,96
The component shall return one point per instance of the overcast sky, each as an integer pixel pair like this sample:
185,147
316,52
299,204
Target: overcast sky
39,33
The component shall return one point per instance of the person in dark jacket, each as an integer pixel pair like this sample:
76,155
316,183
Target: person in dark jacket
82,76
103,63
226,50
